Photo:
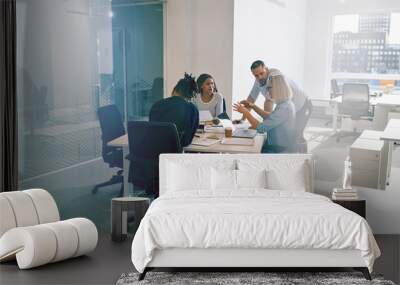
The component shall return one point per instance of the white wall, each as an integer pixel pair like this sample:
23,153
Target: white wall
199,39
319,37
271,32
224,37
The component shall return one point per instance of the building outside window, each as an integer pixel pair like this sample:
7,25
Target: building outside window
366,48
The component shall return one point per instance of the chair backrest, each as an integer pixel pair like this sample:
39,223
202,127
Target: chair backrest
158,87
335,91
355,100
223,105
224,114
111,126
26,208
147,140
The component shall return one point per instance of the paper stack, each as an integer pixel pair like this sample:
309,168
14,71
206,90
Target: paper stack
214,129
344,194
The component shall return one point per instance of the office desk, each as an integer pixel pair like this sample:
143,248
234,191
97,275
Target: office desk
215,148
390,135
383,104
224,148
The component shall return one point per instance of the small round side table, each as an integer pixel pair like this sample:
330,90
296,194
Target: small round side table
119,215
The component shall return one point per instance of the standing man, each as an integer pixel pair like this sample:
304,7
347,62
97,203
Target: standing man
262,84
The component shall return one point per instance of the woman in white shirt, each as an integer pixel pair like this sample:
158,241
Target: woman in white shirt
209,98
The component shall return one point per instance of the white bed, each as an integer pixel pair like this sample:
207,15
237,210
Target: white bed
201,223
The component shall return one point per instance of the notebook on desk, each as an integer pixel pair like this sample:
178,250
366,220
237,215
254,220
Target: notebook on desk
205,116
244,133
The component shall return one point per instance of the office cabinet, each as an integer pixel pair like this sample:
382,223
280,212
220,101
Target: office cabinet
366,162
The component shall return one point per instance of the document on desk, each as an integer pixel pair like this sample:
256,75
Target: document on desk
204,141
244,133
238,141
220,128
226,123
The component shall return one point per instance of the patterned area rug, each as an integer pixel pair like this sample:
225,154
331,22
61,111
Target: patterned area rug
243,278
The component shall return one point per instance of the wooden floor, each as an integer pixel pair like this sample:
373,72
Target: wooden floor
110,260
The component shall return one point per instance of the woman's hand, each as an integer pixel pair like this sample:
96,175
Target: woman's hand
247,104
246,114
238,107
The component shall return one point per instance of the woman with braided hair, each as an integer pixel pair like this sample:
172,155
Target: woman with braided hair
179,110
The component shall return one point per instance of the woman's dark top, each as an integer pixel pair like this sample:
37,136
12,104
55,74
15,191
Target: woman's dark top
182,113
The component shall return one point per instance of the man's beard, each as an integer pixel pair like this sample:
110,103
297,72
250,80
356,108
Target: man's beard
262,81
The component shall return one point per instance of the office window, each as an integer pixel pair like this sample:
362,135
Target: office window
74,56
372,48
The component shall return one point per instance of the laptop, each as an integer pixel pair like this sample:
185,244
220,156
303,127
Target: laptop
205,115
244,133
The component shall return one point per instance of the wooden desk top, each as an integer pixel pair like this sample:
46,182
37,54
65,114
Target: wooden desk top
215,148
121,141
388,100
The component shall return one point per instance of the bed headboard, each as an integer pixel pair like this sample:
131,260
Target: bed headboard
166,160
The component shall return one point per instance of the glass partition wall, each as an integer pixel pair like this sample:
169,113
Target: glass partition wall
74,56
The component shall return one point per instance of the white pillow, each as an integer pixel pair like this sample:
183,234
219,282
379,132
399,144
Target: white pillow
188,177
226,179
223,179
194,174
283,173
251,178
293,179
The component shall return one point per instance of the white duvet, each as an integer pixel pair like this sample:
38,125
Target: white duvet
250,219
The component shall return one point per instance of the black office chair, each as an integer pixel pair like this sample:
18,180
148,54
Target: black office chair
147,140
111,128
157,93
157,88
302,117
355,104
